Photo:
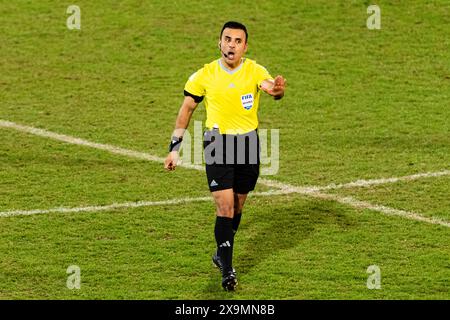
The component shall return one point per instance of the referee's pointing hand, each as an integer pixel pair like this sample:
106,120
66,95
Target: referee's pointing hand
275,87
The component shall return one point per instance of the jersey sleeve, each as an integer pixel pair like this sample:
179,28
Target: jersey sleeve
262,74
195,84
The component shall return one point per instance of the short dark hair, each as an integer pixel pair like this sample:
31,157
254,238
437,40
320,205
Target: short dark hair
235,25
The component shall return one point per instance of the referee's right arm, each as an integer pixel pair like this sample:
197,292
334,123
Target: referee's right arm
182,122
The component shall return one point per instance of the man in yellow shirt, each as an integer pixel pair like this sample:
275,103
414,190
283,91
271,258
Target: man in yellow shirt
230,87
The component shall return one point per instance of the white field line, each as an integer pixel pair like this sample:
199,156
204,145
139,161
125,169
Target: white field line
373,182
284,187
123,205
358,204
86,143
315,192
266,182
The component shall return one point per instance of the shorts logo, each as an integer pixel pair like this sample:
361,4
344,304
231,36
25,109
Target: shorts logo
213,183
247,101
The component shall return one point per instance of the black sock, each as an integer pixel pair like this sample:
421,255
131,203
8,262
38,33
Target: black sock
236,221
224,238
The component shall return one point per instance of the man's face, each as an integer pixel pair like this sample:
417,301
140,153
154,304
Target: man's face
233,44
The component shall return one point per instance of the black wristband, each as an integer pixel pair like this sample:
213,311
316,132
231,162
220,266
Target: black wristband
175,144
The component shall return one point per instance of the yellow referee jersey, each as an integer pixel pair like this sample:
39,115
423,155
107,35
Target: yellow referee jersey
231,97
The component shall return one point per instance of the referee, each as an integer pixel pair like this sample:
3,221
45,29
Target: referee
231,88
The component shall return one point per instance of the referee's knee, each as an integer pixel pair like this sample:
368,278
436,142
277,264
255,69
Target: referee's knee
225,211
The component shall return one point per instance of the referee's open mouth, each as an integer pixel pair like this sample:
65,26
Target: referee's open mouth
230,55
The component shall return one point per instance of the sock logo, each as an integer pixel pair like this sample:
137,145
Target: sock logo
225,244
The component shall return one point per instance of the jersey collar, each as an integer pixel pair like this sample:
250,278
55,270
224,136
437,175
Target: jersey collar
231,71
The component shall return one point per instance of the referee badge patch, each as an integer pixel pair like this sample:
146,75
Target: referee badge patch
247,101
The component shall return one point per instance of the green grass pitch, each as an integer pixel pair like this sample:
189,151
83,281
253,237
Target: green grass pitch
360,104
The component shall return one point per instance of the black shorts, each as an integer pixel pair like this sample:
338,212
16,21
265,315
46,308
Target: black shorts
232,161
